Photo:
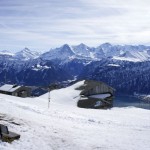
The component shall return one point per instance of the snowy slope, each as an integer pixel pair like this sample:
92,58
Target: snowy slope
135,56
65,127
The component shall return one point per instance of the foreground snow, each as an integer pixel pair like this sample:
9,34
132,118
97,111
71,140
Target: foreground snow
65,127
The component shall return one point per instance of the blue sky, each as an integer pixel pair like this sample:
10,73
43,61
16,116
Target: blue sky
44,24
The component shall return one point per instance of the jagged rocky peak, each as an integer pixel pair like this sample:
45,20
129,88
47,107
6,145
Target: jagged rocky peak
60,53
82,45
26,50
82,50
26,54
103,49
66,48
105,45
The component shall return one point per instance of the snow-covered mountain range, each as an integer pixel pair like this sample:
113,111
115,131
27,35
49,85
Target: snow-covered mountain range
82,51
126,68
106,50
23,55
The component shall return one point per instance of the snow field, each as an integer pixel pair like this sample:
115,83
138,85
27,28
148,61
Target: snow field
65,127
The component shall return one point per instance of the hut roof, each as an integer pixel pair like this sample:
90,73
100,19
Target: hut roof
9,88
87,82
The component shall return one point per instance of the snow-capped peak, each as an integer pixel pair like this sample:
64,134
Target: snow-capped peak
66,49
61,53
82,50
82,45
26,54
26,50
6,52
105,45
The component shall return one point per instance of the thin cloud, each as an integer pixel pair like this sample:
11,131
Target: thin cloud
50,23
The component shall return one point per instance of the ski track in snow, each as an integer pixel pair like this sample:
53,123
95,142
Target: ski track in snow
65,127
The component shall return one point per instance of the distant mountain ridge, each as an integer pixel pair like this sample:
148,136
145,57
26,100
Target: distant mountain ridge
106,50
82,51
125,68
24,54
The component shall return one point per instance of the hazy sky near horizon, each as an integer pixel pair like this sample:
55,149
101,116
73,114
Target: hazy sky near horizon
43,24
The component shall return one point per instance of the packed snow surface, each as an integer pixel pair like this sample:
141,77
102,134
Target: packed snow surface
64,126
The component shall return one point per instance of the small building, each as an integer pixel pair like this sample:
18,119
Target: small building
15,90
95,94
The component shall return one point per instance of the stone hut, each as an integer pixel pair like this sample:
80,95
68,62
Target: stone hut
95,94
15,90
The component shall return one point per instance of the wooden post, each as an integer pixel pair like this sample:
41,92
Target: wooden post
50,88
49,97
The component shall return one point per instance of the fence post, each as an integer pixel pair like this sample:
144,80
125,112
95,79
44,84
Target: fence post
49,97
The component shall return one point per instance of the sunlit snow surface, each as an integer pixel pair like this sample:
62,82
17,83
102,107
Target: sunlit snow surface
64,126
